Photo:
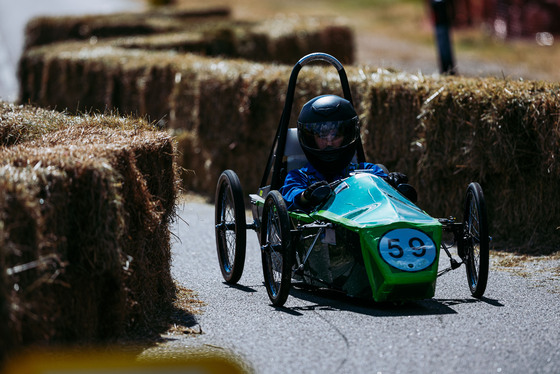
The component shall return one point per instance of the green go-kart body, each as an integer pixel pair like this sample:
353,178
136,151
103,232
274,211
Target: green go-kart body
377,243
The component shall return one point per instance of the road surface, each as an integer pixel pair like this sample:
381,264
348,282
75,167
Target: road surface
515,328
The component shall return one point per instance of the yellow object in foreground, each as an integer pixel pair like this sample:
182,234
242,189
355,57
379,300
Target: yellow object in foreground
56,362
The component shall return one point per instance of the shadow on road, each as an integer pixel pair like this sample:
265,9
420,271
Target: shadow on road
240,287
451,302
327,300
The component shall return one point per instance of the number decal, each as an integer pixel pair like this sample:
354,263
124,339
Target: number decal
407,249
420,247
392,245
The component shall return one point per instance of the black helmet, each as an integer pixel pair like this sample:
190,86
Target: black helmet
328,131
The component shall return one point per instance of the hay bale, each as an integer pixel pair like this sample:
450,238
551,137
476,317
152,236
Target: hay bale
145,162
204,31
390,107
46,30
99,78
505,135
65,269
239,135
85,204
288,38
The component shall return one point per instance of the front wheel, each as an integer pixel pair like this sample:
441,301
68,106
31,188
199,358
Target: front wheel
276,248
475,241
231,234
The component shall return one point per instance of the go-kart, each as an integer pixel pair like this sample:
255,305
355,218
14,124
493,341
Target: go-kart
367,239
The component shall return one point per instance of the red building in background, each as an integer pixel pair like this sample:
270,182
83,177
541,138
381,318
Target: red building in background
508,18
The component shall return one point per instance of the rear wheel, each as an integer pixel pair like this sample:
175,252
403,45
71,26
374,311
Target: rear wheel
475,248
276,248
231,234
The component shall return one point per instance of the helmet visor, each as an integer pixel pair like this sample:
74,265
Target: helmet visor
329,134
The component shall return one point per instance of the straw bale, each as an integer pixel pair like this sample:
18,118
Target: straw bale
280,39
204,31
46,30
7,339
72,285
30,73
184,101
16,125
85,205
181,41
86,80
250,98
502,134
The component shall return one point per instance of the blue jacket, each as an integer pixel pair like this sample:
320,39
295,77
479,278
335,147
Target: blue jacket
299,179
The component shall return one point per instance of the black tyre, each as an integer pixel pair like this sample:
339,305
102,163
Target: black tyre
475,243
231,227
276,250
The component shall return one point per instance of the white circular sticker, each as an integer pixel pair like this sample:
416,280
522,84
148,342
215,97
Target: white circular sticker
407,249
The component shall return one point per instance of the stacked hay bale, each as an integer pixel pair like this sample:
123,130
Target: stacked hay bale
85,204
208,32
444,132
506,135
124,74
47,30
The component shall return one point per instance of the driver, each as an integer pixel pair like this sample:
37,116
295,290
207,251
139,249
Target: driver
328,132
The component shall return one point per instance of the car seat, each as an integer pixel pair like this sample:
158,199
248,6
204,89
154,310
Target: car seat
293,153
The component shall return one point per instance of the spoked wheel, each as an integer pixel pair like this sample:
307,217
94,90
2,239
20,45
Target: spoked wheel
475,243
231,234
276,248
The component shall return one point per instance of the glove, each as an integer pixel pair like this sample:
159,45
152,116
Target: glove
315,199
309,190
396,178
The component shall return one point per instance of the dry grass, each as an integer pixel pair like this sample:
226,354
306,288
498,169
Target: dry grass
186,304
542,269
187,300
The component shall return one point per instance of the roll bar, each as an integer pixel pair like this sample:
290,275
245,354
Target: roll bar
276,155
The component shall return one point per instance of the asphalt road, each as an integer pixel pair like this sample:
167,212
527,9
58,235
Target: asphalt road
515,328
